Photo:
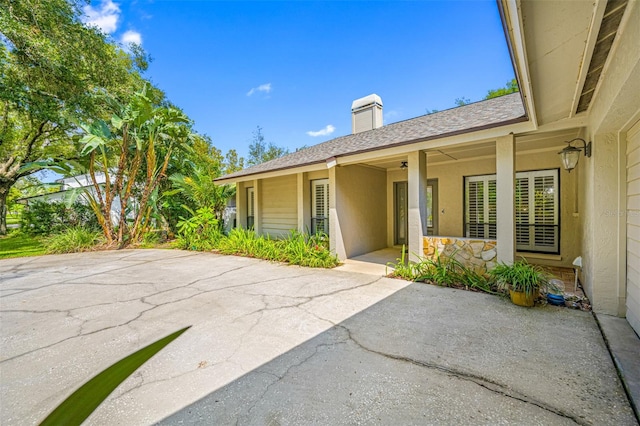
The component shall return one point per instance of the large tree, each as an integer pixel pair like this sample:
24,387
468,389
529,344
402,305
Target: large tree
510,87
52,67
261,152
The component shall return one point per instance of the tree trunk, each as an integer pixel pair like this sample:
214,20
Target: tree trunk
5,186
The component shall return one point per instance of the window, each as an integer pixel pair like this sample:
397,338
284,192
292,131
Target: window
536,209
320,206
480,206
537,212
250,208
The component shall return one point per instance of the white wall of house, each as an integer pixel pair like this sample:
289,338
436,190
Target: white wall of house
633,226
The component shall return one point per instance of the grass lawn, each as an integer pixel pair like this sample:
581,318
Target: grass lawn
17,244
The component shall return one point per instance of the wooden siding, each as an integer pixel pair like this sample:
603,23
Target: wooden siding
279,208
633,227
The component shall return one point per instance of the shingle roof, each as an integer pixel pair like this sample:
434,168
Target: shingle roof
485,114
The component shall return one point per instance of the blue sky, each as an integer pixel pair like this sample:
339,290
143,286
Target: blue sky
294,67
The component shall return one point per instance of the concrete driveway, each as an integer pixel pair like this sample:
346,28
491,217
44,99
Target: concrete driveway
274,344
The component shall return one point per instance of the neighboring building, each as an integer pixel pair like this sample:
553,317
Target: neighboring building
69,187
487,176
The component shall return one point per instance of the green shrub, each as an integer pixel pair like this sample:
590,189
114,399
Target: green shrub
43,218
442,271
521,276
309,250
297,248
72,240
201,232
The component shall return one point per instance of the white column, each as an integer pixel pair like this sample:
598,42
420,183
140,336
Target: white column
505,199
300,200
257,211
241,205
336,243
417,215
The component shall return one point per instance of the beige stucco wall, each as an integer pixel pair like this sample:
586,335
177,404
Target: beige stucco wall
361,208
278,205
615,107
451,200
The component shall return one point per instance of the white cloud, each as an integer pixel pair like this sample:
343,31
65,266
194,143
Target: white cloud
132,37
322,132
266,88
104,17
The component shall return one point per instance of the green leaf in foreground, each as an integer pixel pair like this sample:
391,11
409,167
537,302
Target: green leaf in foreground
77,407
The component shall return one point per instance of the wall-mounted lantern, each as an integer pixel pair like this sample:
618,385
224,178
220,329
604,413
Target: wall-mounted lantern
571,154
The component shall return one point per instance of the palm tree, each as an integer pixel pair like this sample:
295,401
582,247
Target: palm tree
200,188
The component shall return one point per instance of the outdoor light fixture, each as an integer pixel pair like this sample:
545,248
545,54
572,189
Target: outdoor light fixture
403,165
571,154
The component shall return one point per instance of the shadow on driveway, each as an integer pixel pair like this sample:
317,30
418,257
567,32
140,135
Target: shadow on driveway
276,344
429,355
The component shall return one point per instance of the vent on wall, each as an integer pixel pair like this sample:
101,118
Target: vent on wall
366,114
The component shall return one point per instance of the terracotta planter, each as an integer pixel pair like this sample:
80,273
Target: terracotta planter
521,298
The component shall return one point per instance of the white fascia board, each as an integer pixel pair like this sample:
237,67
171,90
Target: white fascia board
274,173
511,14
472,138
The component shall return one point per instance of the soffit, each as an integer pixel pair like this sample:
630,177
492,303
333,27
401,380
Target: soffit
556,34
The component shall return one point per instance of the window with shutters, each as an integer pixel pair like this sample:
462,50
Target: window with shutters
250,208
320,206
537,212
480,210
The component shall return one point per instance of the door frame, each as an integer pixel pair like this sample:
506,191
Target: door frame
396,222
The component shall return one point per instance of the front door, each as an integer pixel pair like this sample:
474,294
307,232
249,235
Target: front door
401,207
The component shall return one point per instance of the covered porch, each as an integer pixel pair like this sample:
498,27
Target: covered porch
486,201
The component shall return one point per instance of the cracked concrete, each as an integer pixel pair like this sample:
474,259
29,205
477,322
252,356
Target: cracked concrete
276,344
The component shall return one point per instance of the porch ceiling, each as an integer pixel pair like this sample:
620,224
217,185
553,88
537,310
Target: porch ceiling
524,143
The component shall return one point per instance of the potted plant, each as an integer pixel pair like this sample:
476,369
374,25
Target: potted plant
522,279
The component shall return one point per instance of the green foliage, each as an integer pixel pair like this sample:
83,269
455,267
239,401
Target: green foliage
233,162
297,248
79,405
19,244
42,218
442,271
200,232
200,189
260,152
308,250
462,101
54,69
73,240
510,87
133,151
520,276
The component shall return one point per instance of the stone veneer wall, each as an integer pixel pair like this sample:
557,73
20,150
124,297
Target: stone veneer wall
479,255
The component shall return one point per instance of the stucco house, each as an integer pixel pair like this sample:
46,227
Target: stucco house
487,177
